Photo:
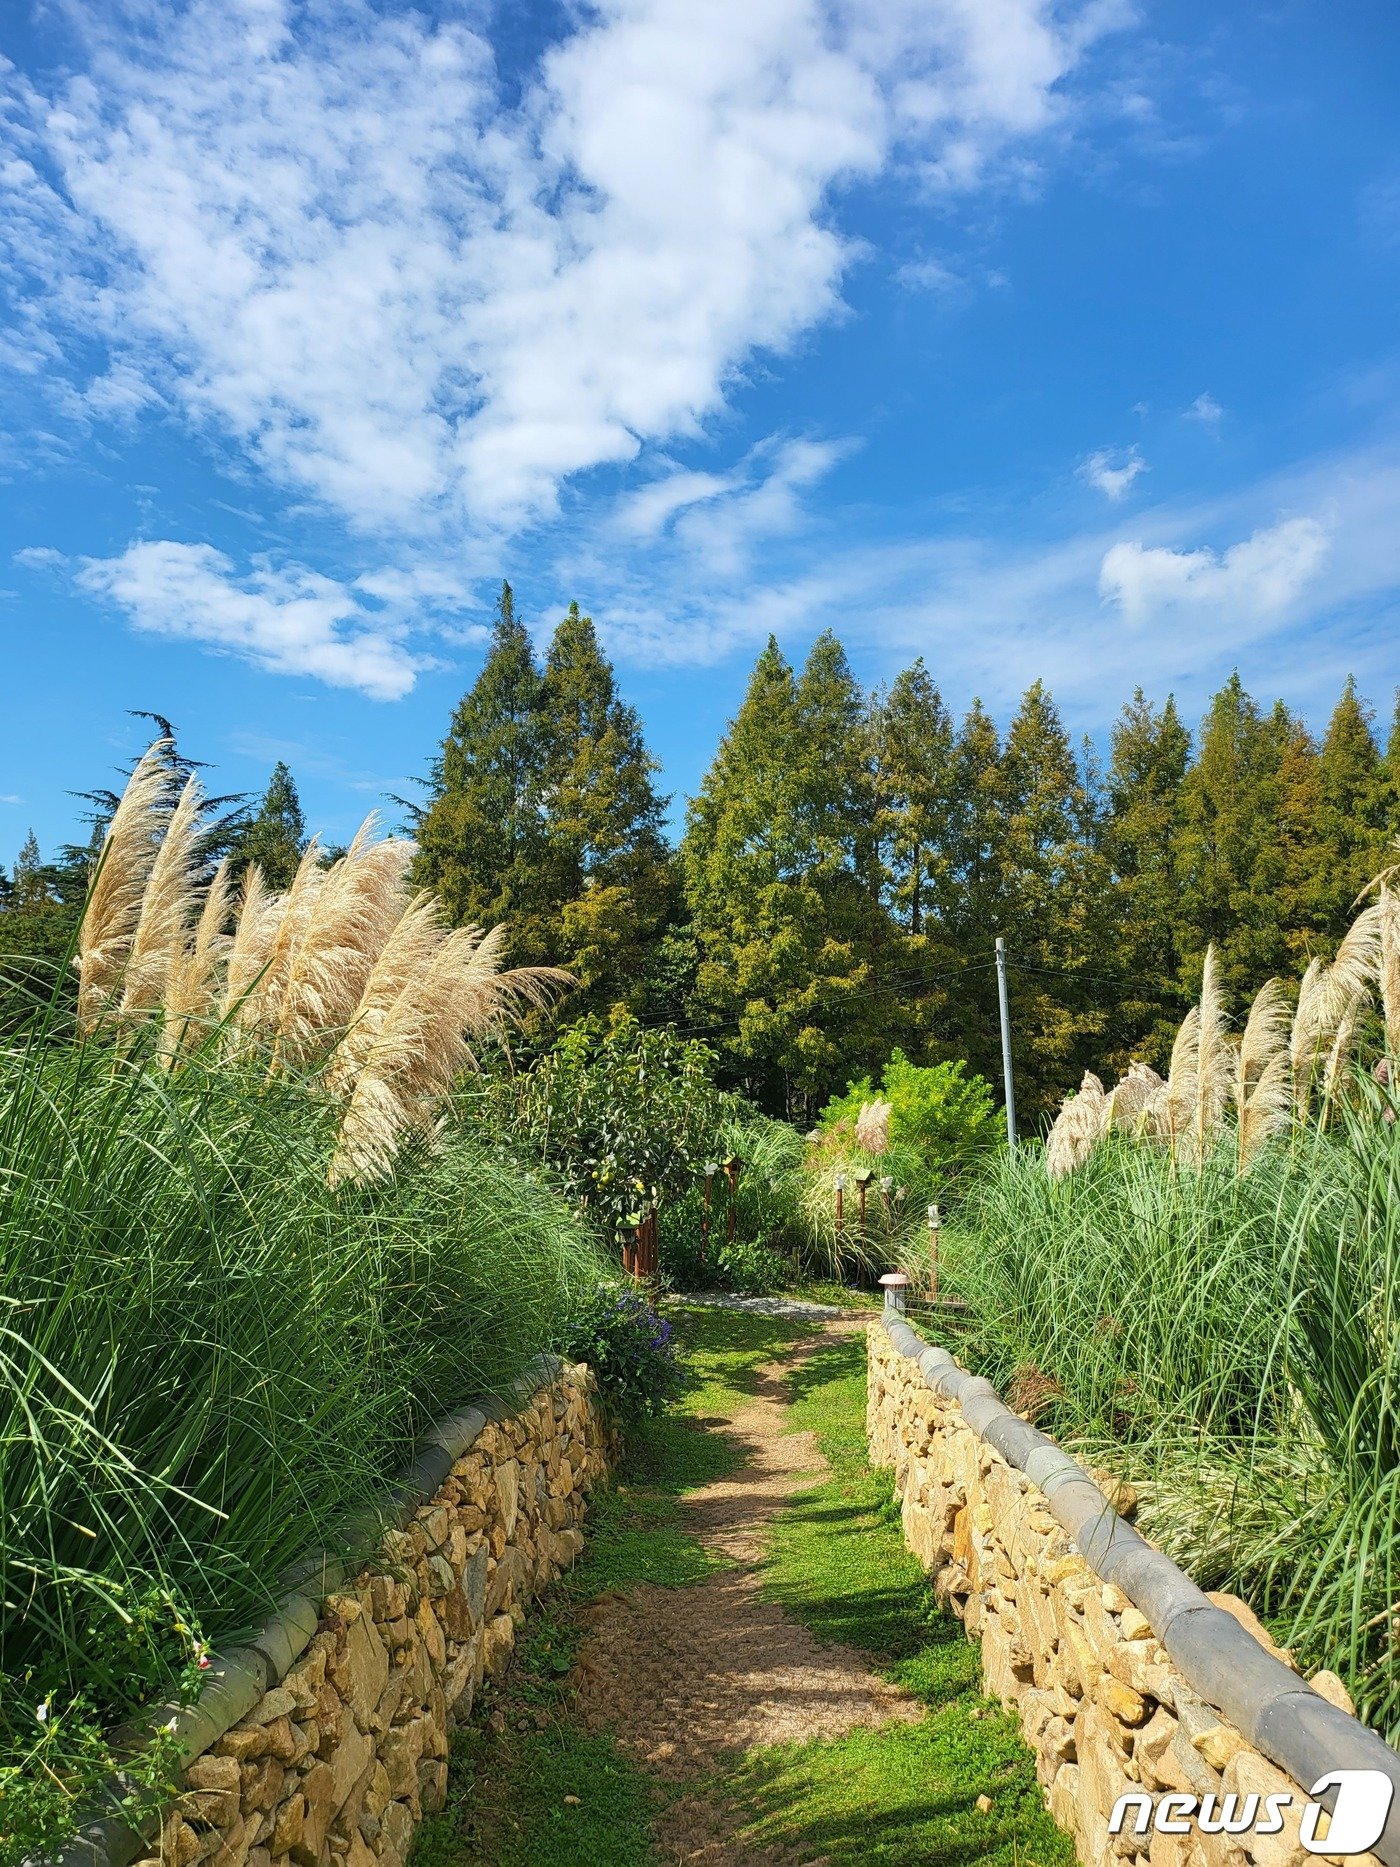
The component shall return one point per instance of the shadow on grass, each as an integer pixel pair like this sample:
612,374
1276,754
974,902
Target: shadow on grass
904,1793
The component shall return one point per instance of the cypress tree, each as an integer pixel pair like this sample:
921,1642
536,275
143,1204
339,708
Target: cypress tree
1230,864
916,799
277,835
1354,821
772,859
1053,897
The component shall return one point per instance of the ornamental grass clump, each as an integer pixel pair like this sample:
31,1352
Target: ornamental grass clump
208,1355
1283,1068
348,978
1229,1343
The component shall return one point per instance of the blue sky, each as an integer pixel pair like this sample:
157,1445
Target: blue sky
1043,340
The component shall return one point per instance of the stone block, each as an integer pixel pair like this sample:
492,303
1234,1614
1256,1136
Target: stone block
367,1669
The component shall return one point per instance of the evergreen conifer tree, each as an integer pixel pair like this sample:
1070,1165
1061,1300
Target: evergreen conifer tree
1230,863
481,844
605,856
917,800
1053,898
784,919
276,836
1150,752
1354,821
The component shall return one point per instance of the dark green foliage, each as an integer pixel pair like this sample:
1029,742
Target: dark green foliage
276,836
543,813
780,879
630,1348
750,1270
622,1116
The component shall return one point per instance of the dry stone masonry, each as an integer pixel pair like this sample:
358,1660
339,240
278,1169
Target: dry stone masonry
1125,1676
334,1765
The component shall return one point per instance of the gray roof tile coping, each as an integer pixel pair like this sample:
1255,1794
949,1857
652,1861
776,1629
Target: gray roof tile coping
239,1677
1276,1709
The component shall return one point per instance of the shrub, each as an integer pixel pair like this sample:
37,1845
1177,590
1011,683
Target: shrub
630,1348
751,1270
623,1116
944,1116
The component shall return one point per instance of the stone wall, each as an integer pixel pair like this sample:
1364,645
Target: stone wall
333,1765
1190,1696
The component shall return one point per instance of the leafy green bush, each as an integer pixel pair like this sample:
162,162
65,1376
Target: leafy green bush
623,1116
630,1348
208,1356
751,1270
944,1115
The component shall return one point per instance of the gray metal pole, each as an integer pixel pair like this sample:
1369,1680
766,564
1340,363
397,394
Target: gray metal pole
1006,1078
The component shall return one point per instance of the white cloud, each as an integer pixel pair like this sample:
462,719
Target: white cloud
991,613
1261,576
1205,408
647,512
287,619
1113,473
323,232
39,557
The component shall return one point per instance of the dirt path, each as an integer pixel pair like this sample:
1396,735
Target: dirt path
686,1677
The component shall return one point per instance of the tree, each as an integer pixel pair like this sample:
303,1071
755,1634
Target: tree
606,862
917,799
38,926
1150,752
776,855
481,839
1355,819
276,836
1230,864
28,887
1054,887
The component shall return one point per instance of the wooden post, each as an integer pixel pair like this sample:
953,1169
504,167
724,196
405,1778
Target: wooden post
711,1169
731,1171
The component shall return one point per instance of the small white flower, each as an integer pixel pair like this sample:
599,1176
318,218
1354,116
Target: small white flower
41,1712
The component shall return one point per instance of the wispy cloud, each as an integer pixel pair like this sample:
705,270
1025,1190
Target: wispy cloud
1205,409
1113,472
287,619
1304,565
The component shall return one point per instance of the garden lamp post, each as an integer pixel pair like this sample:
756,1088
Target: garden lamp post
864,1176
840,1206
894,1284
731,1173
711,1169
935,1223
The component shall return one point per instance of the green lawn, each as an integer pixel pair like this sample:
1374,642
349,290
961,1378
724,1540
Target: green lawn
837,1561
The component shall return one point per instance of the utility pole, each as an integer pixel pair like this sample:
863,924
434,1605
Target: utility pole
1007,1083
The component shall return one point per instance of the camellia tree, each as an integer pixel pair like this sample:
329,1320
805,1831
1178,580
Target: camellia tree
624,1116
